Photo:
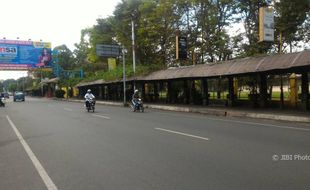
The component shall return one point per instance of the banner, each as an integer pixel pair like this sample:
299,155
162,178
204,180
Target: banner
111,63
181,46
266,24
24,55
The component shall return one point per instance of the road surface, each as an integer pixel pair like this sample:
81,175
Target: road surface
48,144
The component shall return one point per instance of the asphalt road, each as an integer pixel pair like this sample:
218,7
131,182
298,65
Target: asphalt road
47,144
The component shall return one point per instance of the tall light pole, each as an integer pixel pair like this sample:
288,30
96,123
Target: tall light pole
133,48
124,74
41,77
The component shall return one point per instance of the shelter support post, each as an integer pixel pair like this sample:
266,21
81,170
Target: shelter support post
143,90
293,90
192,92
113,91
219,88
231,96
100,92
205,92
305,91
169,95
109,92
186,91
281,93
104,94
156,94
263,91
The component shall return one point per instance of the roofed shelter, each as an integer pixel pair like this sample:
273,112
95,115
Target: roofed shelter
260,69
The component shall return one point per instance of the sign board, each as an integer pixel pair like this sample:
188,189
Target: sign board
266,24
108,50
24,55
181,46
111,63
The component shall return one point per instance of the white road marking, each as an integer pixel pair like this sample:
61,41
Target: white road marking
243,122
45,177
102,116
184,134
68,109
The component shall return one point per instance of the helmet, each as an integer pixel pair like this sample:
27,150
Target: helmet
88,90
136,91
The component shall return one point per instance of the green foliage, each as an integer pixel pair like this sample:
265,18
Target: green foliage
206,25
82,49
65,57
60,93
291,15
70,82
41,73
117,73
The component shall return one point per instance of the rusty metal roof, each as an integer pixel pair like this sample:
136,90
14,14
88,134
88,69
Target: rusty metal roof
232,67
235,67
96,82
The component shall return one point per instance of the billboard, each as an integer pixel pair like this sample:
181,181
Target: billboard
108,50
24,55
266,24
181,45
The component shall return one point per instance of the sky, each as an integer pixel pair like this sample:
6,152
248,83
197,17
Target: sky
57,21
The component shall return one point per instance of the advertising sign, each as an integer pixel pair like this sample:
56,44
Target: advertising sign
24,55
111,63
181,46
266,24
108,50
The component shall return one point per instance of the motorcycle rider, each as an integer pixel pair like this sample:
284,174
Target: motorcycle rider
2,98
135,97
88,96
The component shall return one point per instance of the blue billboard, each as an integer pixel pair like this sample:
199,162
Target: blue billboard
24,55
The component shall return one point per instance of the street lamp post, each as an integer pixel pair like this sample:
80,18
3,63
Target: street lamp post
41,77
133,47
124,74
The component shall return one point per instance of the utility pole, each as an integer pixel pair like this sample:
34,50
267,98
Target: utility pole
124,74
133,48
41,76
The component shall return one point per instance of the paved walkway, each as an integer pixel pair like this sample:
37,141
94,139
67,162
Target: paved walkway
268,113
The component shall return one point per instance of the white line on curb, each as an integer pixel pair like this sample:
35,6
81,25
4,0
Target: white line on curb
262,124
105,117
184,134
45,177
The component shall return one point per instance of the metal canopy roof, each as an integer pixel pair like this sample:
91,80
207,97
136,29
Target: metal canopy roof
236,67
228,68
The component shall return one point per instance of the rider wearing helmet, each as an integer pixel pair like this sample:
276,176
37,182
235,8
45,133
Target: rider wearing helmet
135,97
88,96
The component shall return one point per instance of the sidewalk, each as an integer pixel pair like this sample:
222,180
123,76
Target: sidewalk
273,114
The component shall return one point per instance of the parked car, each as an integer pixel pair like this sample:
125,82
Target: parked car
19,96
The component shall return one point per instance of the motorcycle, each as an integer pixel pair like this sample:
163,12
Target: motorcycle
2,102
90,104
137,105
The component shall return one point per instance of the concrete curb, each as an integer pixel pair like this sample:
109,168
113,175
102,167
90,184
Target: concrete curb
209,111
279,117
216,112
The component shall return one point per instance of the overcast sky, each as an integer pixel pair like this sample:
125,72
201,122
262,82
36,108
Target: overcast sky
57,21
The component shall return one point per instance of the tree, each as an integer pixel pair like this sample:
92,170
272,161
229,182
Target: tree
156,34
292,22
82,49
65,57
248,11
